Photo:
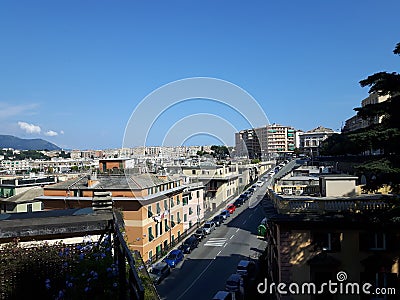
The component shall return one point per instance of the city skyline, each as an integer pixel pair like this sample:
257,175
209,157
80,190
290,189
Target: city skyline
73,73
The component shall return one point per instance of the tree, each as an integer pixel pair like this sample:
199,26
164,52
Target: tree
384,136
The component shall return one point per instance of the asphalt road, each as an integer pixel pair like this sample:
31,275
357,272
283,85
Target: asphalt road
205,270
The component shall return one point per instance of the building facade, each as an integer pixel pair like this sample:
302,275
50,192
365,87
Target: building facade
151,205
312,239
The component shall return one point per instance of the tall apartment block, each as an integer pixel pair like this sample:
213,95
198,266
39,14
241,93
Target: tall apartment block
265,142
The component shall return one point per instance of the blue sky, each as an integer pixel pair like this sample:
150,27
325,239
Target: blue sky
73,72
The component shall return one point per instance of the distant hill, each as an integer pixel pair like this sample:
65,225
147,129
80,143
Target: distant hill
9,141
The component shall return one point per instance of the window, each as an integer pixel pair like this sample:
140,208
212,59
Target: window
373,241
190,211
190,224
378,241
150,254
185,218
149,212
160,224
151,237
165,204
198,194
156,229
158,208
166,225
193,172
327,241
172,221
29,208
177,200
171,202
185,201
178,217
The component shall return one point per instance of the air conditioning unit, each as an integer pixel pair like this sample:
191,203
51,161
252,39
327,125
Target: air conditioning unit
298,192
287,191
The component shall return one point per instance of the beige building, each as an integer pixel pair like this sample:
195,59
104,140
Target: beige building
220,181
355,122
310,141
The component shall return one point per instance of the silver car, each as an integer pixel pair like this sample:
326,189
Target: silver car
208,227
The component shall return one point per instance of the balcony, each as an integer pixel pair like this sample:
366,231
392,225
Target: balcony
306,204
42,268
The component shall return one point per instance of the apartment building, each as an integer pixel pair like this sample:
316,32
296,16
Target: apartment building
310,141
16,185
265,142
355,122
280,139
312,239
193,205
220,181
251,143
151,205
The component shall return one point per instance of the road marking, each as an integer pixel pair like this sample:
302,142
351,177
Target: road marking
231,236
237,229
194,281
215,242
219,252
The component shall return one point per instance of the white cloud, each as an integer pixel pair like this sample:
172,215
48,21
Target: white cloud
51,133
62,131
29,128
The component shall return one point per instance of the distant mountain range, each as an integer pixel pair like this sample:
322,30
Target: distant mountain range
9,141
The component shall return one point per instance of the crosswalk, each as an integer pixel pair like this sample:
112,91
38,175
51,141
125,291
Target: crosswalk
215,242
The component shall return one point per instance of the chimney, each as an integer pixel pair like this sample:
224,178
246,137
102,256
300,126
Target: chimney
102,202
92,181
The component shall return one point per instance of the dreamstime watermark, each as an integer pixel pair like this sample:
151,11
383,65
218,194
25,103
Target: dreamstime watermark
331,287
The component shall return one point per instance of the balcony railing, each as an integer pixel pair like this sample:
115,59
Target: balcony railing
286,204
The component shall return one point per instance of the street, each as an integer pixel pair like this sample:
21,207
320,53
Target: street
205,270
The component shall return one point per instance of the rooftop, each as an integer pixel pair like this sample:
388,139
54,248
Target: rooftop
112,182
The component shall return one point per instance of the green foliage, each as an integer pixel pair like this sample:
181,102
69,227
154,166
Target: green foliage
255,161
28,154
220,152
59,271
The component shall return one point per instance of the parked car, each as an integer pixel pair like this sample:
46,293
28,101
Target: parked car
234,283
199,234
173,258
209,226
225,214
251,190
246,268
159,271
222,295
238,202
218,220
259,183
247,194
189,244
244,196
231,208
